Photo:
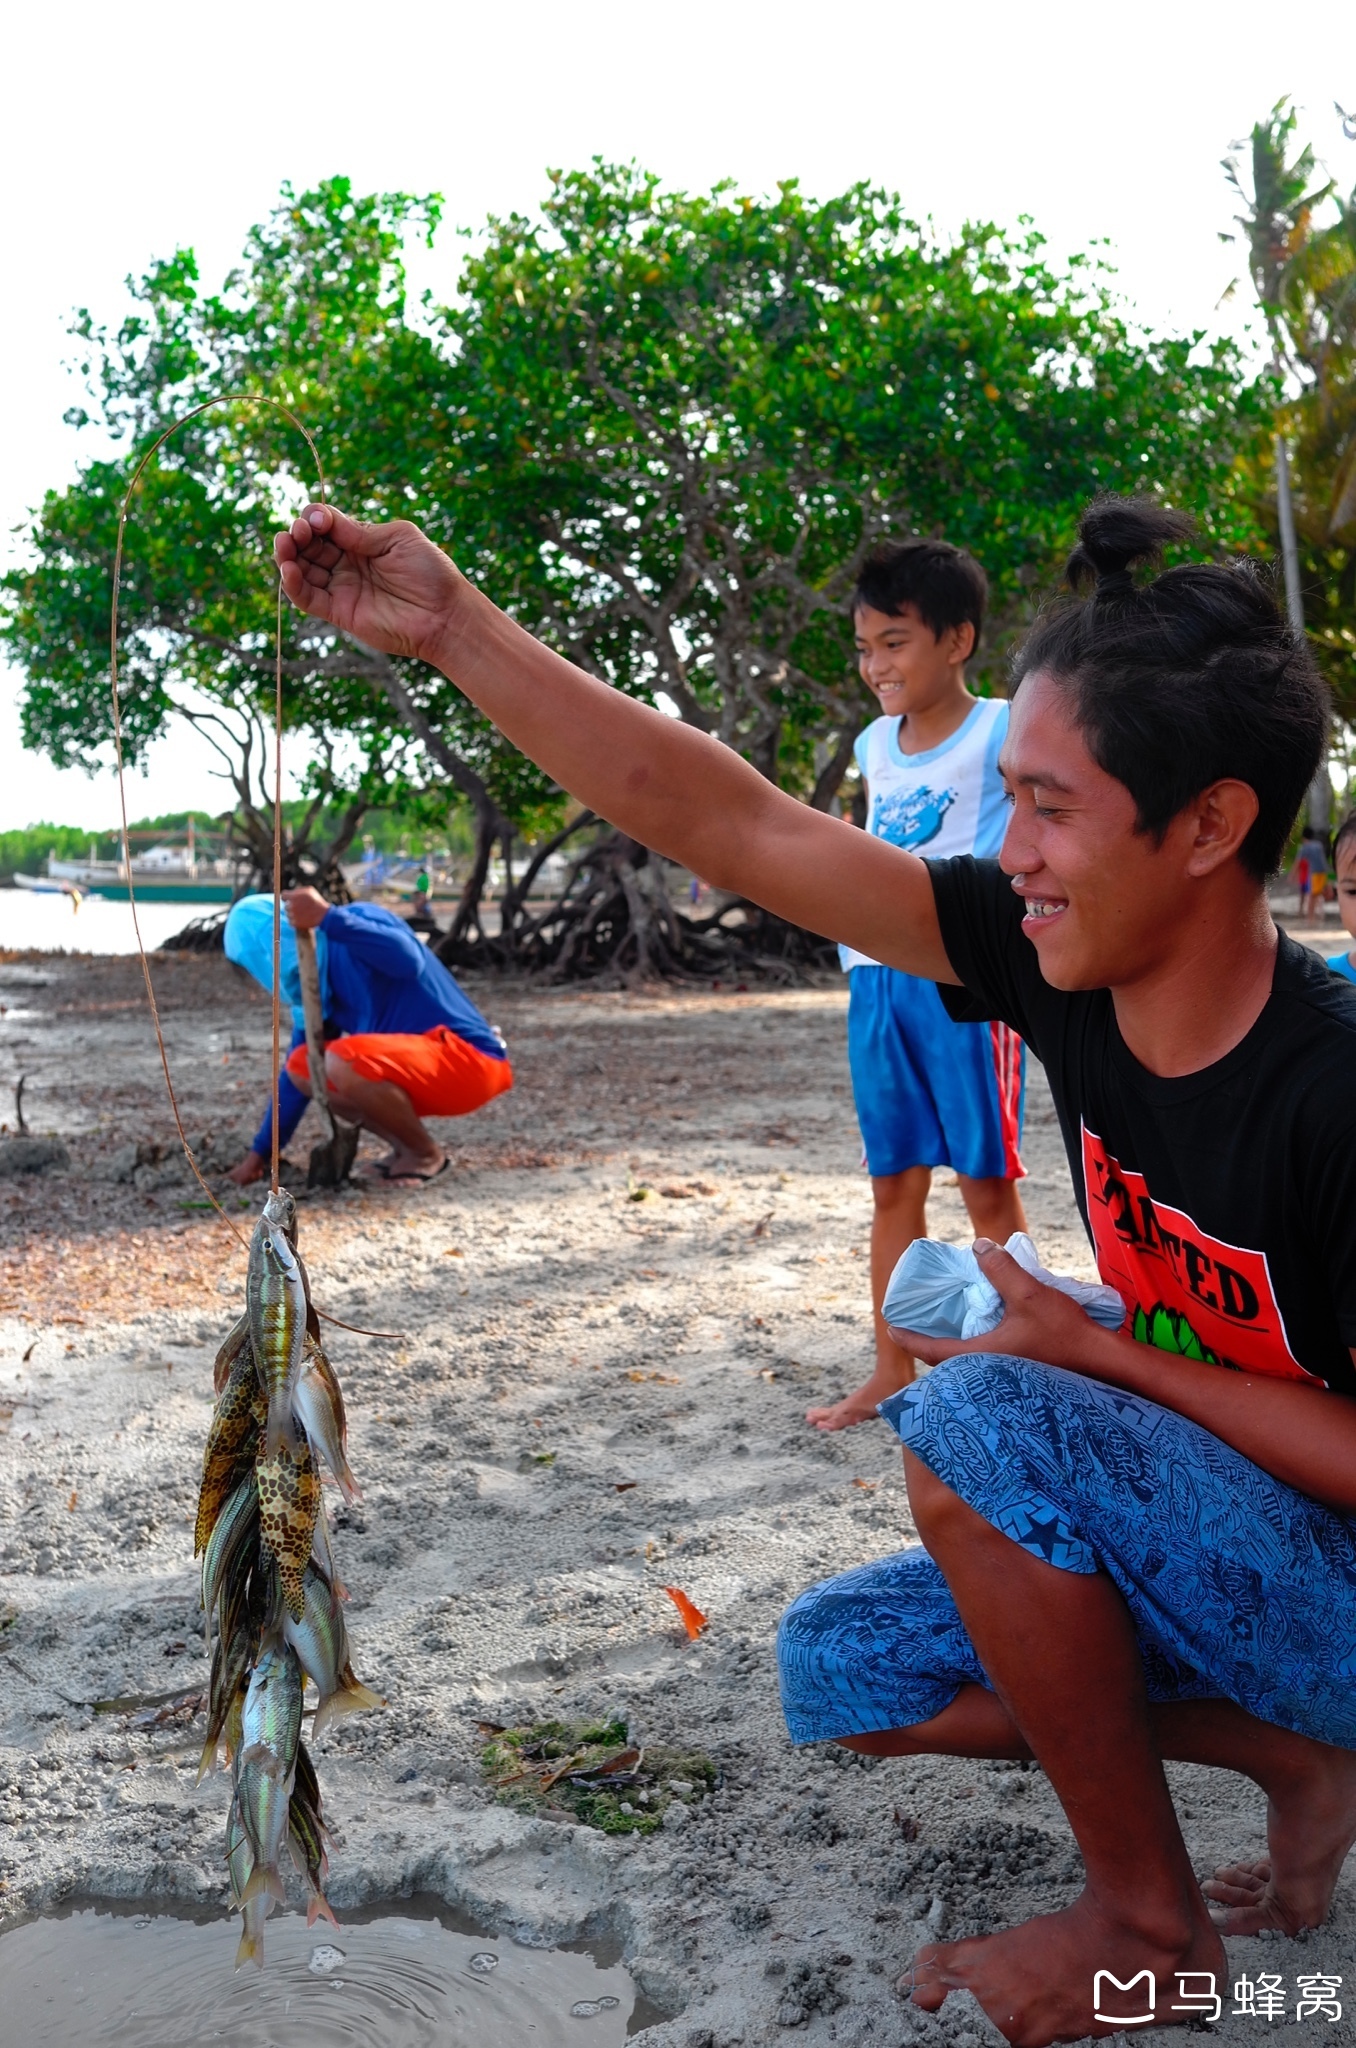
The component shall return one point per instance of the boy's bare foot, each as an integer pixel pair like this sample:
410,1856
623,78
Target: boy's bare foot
1310,1829
861,1406
1036,1981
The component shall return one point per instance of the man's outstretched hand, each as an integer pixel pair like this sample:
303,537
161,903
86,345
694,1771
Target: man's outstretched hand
1038,1322
388,586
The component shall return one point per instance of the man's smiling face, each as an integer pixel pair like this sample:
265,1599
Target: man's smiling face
1100,895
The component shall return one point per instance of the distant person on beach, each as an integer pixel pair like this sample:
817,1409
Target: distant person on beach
929,1091
402,1042
1137,1545
1311,874
1344,868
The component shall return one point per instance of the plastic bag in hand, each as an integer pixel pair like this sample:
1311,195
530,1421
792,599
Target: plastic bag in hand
940,1291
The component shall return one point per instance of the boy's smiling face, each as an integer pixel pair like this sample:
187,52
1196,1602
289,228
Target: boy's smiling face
904,663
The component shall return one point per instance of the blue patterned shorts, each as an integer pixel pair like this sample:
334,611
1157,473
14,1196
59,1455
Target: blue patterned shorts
1238,1586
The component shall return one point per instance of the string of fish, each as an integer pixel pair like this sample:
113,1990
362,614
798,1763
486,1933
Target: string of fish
272,1595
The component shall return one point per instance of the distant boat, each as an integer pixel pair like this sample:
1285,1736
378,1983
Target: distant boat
113,887
162,874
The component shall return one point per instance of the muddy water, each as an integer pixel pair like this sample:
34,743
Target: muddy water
96,1977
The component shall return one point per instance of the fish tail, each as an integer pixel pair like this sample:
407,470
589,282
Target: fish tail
251,1949
280,1430
348,1485
319,1905
351,1698
262,1882
211,1750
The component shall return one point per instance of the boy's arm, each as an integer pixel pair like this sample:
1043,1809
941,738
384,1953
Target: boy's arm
668,786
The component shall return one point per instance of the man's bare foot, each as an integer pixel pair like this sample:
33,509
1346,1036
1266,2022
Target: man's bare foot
1310,1828
861,1406
1036,1981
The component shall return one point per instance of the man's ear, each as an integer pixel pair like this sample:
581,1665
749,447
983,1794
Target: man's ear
1220,819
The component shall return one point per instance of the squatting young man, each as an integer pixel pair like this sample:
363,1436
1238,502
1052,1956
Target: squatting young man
1137,1545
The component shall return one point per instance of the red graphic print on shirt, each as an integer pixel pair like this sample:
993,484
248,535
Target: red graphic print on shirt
1184,1291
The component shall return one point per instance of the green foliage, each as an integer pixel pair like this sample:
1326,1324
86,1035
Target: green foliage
659,427
681,418
1300,234
25,853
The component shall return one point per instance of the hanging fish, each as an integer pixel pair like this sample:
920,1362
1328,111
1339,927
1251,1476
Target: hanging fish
319,1407
307,1837
278,1312
289,1507
240,1867
236,1340
270,1731
234,1538
236,1423
320,1641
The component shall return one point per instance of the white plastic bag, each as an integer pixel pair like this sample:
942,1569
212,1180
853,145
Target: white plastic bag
940,1291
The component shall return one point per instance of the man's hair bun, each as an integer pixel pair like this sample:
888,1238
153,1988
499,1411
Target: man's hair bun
1115,534
1193,678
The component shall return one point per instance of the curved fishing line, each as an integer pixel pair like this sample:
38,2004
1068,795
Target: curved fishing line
227,398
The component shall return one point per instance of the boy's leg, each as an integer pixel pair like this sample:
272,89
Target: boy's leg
993,1206
898,1216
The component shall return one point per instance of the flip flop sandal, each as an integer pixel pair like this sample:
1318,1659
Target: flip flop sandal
418,1180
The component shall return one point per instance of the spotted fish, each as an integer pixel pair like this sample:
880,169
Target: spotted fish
236,1340
289,1506
231,1440
278,1312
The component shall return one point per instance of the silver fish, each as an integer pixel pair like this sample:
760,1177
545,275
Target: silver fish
319,1407
270,1732
278,1311
320,1641
234,1534
239,1865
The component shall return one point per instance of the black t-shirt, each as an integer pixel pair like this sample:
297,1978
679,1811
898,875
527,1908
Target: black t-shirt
1221,1204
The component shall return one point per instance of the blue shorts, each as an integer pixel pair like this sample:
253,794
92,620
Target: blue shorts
930,1092
1239,1587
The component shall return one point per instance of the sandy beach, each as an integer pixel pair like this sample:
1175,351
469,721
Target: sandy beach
610,1315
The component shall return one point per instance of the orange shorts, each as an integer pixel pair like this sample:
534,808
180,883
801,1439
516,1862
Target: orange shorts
441,1073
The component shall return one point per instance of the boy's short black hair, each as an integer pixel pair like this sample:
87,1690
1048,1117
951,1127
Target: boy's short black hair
945,586
1346,831
1193,678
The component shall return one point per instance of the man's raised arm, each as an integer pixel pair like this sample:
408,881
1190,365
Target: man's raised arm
671,788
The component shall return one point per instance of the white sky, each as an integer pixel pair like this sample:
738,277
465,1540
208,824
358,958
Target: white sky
125,131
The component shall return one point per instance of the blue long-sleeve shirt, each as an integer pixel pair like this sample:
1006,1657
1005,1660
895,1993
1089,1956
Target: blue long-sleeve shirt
381,979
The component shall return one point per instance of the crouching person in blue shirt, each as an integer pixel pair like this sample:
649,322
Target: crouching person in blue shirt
402,1042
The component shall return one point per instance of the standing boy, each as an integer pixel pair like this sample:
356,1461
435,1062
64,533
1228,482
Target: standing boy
929,1092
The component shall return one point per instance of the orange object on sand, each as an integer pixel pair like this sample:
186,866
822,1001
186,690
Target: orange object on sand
694,1621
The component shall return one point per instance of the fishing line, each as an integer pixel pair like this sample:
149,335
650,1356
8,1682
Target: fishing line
227,398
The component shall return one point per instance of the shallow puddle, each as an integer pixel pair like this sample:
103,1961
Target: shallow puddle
411,1976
